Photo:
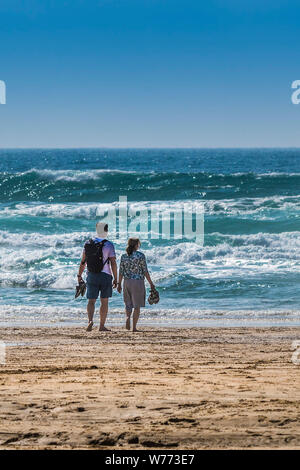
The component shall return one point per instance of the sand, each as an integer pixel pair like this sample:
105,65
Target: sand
195,388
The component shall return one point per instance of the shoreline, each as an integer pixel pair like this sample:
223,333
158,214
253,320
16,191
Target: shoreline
276,318
165,387
144,327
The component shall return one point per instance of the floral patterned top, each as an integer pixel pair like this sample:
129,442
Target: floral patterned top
133,266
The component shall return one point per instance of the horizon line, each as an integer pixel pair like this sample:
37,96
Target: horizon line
153,148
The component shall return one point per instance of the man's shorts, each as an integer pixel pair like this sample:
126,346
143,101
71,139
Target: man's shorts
98,283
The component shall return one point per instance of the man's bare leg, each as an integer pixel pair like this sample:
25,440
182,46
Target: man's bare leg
136,314
90,311
128,315
103,314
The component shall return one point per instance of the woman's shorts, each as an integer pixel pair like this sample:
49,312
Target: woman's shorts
98,283
134,293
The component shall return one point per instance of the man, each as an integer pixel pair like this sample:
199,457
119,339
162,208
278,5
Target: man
100,257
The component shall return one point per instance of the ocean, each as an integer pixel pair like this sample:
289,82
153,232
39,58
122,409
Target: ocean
247,272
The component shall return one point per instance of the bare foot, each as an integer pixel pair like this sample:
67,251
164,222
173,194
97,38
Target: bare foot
90,326
127,324
103,328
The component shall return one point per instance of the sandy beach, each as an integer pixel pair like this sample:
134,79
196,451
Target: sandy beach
197,388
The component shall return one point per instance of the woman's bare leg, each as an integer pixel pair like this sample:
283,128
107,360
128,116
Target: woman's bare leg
128,315
136,314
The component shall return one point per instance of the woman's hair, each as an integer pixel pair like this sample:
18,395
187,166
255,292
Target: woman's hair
132,245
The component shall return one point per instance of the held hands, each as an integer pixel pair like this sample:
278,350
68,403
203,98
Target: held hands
117,285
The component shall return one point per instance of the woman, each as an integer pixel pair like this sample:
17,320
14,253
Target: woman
133,268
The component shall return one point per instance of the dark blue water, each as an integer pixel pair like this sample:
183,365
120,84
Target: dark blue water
247,272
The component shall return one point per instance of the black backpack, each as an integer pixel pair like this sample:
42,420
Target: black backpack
94,255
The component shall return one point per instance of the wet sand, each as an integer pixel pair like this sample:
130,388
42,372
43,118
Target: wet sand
195,388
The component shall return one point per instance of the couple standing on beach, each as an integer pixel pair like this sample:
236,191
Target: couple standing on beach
100,258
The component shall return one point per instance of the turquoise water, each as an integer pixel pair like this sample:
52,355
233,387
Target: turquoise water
247,272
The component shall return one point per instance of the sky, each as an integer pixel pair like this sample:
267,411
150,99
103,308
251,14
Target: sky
149,73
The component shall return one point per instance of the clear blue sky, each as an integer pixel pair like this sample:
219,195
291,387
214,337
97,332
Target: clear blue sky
149,73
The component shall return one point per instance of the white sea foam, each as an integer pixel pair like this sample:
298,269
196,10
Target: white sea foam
287,243
74,175
260,207
54,278
281,246
36,239
53,261
253,206
92,210
58,315
53,210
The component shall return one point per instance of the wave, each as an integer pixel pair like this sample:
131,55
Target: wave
89,211
271,242
214,241
253,206
107,185
51,261
181,280
43,279
92,173
53,210
233,250
262,208
72,175
36,239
